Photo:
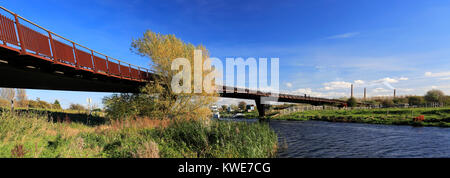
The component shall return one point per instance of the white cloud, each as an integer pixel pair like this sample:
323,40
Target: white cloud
288,84
336,85
359,82
310,92
403,78
344,35
386,80
438,74
380,90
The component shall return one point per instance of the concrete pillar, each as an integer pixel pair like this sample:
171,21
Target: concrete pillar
260,107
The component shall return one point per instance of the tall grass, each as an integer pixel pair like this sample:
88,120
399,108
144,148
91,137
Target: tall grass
33,135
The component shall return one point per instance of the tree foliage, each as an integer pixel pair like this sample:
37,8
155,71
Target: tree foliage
163,50
77,107
56,105
128,105
351,102
415,100
242,105
435,96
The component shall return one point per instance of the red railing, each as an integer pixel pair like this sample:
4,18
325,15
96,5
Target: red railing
17,35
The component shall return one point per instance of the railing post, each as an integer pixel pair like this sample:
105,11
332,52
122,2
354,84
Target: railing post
129,70
139,73
19,31
52,48
107,66
93,63
76,55
120,70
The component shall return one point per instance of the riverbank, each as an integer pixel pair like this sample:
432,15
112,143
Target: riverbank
33,135
439,117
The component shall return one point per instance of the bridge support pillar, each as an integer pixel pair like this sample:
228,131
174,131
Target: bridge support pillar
260,107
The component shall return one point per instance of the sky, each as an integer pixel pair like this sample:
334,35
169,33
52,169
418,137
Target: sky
323,46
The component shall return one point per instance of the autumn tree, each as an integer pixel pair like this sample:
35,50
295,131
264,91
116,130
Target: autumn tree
22,100
9,95
163,50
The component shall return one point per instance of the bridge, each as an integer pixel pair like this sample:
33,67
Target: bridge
35,58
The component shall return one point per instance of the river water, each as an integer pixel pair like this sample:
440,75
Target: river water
319,139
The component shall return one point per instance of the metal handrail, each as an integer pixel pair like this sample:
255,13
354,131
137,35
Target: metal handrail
12,13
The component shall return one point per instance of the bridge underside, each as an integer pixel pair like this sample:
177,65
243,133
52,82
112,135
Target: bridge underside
25,71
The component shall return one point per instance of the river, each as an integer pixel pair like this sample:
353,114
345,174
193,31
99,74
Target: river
319,139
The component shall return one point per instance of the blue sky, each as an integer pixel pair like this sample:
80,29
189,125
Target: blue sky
323,45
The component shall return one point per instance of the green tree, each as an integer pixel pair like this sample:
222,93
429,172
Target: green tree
435,96
163,50
387,103
242,105
56,105
415,100
400,100
351,102
128,105
447,101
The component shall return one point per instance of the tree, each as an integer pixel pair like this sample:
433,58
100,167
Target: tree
224,107
400,100
9,94
234,107
21,98
435,96
242,105
56,105
415,100
163,50
447,101
387,103
128,105
351,102
77,107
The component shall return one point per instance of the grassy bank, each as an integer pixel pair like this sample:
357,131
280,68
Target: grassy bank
391,116
32,135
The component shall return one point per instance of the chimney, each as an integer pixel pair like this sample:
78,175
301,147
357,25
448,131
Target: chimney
351,95
365,93
394,92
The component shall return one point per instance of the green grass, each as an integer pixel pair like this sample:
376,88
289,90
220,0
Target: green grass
391,116
33,135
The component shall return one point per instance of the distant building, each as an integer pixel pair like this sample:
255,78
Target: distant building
229,109
250,107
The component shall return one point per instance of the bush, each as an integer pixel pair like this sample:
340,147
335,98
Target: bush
351,102
415,100
77,107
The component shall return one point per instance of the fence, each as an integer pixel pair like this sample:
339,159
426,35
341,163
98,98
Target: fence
28,38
